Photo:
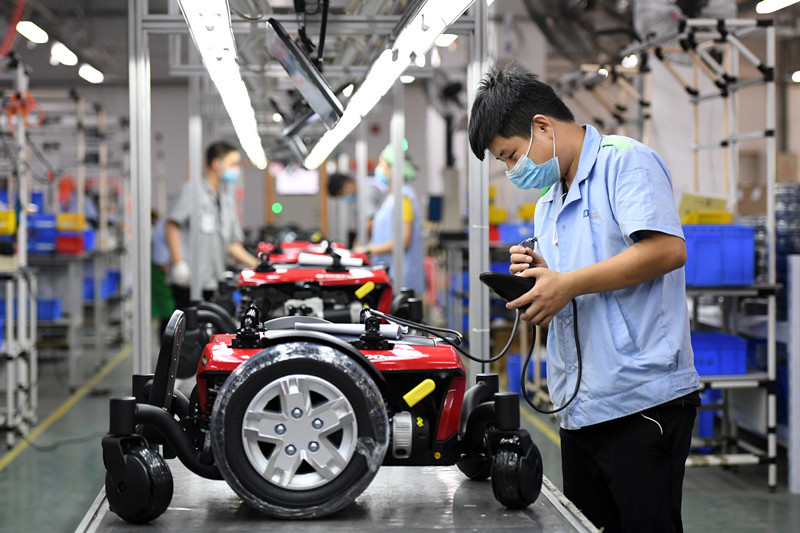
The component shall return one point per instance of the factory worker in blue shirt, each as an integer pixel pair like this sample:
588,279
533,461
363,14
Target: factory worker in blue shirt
382,232
608,236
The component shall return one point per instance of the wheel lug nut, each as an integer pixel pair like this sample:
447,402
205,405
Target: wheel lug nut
317,423
297,412
280,429
313,446
291,450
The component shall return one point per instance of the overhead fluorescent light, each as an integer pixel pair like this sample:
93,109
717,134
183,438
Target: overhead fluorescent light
32,32
630,61
209,23
796,76
445,40
770,6
416,38
276,117
347,92
406,78
90,74
63,55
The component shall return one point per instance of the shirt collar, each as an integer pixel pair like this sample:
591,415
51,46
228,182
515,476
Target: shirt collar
591,144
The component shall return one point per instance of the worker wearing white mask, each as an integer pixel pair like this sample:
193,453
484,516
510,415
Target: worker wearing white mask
220,231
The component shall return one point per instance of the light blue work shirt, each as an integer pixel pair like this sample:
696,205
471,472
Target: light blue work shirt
383,231
635,343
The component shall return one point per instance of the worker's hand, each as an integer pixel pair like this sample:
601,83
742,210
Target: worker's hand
524,258
180,275
548,296
361,249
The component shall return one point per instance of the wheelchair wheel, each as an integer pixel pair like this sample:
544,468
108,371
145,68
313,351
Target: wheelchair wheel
299,430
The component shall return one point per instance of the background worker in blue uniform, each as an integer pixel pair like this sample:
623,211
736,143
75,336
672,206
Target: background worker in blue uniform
382,234
345,187
609,236
221,233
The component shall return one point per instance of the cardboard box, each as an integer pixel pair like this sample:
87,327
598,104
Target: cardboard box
786,169
752,200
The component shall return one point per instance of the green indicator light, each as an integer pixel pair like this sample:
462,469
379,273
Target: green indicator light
277,207
405,145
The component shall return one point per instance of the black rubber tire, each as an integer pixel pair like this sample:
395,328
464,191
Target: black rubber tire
477,469
146,490
249,475
516,480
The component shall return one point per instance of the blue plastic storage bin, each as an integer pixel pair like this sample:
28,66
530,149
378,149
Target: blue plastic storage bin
89,240
37,198
42,221
717,353
719,254
514,233
513,369
48,308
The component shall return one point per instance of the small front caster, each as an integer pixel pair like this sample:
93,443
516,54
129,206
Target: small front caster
516,472
139,485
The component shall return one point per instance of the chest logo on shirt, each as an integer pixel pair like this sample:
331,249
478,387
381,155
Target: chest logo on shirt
590,214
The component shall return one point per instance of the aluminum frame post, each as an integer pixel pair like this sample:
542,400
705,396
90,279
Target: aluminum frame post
398,131
140,107
478,187
21,85
361,182
195,179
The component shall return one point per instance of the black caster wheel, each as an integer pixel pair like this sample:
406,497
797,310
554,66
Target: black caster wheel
516,478
144,490
477,469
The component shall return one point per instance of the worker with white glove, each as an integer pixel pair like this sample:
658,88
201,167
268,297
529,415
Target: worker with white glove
220,232
180,275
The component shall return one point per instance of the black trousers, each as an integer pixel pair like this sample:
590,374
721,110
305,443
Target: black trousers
182,298
626,475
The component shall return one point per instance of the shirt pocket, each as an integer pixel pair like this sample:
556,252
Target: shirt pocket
624,330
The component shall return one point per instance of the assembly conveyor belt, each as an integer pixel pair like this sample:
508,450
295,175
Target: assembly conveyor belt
399,498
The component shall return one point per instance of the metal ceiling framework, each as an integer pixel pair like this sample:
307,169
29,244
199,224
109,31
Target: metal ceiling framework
379,29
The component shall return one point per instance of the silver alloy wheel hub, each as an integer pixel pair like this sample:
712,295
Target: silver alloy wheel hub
299,432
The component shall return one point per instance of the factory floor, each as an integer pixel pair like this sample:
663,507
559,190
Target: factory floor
49,483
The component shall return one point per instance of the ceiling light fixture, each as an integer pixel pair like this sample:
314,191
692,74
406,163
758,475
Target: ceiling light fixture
32,32
630,61
416,38
770,6
796,76
63,55
445,40
407,78
209,23
90,74
347,92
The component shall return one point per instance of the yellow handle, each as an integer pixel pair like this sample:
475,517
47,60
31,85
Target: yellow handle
416,394
365,289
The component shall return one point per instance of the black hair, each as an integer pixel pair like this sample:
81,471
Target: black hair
218,150
336,183
508,98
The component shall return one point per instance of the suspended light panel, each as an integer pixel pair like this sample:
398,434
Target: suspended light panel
209,23
32,32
